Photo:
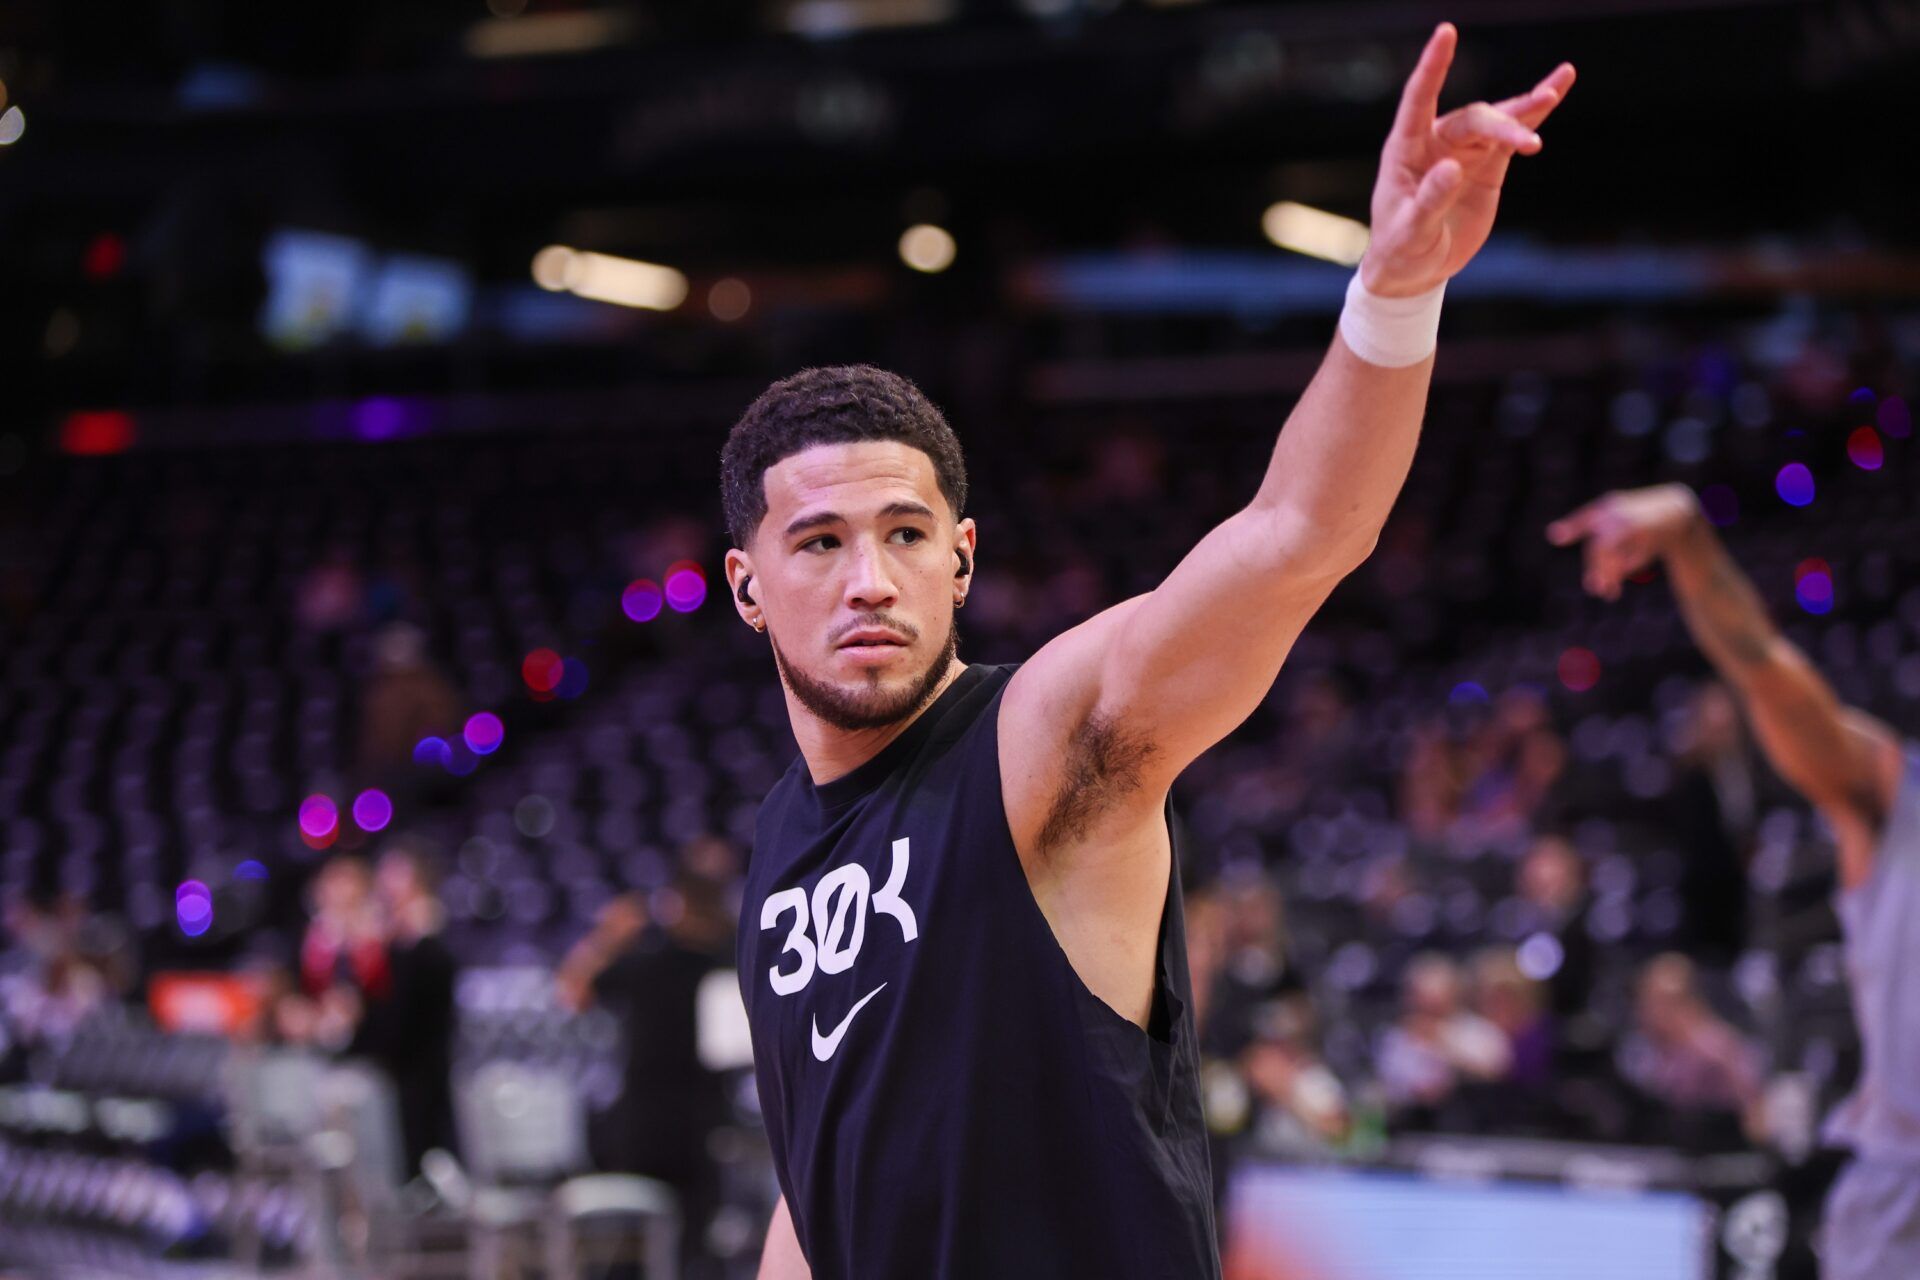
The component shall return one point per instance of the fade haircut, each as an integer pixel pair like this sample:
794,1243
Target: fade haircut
839,404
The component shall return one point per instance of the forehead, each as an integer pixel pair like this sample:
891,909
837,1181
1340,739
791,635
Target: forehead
851,479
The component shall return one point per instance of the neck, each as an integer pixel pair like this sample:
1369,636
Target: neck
832,752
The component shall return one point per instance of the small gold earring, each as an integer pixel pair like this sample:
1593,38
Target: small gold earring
758,624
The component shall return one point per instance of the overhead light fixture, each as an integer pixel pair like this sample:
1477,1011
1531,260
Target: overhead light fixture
928,248
1315,232
550,267
624,282
824,19
526,35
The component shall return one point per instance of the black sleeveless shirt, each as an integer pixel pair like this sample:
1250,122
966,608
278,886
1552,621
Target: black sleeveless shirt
945,1098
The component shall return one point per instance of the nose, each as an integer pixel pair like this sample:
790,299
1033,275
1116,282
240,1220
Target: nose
869,587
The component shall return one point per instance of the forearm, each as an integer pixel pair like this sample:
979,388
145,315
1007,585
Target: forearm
581,968
1722,610
1343,456
1828,753
781,1259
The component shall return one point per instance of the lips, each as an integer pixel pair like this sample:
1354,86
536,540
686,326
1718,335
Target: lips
870,638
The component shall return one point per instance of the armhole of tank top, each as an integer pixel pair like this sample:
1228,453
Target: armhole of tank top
1166,1007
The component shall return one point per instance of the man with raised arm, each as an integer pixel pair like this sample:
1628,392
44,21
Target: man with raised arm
961,948
1852,768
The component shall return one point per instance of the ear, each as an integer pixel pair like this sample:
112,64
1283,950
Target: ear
966,540
739,569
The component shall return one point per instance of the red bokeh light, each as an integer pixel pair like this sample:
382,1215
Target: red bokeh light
542,670
1579,669
96,432
106,254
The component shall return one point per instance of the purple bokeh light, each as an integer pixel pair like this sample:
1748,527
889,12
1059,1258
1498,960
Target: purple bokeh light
483,733
573,679
1813,585
319,817
193,907
1794,484
642,600
379,418
372,810
432,751
686,590
1467,691
1814,591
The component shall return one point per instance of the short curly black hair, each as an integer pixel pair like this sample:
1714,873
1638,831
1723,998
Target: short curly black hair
833,405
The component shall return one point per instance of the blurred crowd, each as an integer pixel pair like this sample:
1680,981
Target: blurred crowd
1449,878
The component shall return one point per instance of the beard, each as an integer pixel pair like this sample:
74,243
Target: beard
871,705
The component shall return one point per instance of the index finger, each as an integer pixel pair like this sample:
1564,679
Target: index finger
1573,526
1535,105
1420,100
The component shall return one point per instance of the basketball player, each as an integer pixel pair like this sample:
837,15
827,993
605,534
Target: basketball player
1852,768
961,947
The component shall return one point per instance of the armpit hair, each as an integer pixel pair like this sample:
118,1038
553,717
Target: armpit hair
1103,766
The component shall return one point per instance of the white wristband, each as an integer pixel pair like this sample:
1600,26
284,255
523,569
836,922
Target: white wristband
1392,332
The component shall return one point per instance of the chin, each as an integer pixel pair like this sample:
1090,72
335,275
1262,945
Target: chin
867,692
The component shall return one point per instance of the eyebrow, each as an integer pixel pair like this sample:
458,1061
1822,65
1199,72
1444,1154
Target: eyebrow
821,519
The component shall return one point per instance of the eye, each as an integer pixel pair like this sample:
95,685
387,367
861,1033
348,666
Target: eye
820,543
912,535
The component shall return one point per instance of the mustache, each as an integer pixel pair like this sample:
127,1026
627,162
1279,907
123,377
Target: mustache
912,633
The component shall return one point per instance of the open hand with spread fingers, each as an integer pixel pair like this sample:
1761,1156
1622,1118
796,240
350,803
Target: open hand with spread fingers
1440,175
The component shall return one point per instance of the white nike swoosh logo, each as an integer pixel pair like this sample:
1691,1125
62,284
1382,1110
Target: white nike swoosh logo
823,1046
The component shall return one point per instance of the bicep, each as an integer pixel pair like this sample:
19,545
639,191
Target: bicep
1195,657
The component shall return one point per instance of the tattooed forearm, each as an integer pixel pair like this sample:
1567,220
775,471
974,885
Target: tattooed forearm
1719,603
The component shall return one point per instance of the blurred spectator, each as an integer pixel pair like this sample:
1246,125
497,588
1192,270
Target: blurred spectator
405,699
1552,881
1518,758
1685,1057
645,964
1253,1016
1306,1109
1437,1045
1433,780
1714,810
1508,999
1491,778
343,958
71,964
407,1027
